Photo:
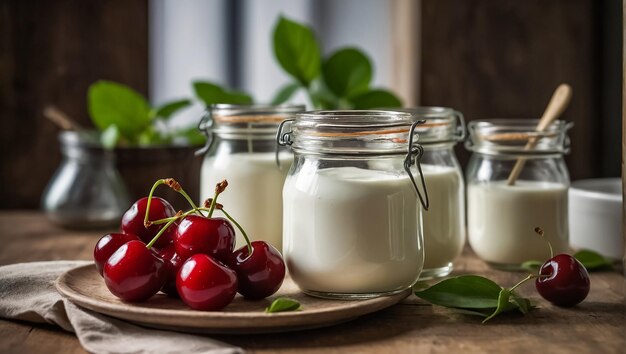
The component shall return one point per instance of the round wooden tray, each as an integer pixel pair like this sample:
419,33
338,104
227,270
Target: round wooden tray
84,286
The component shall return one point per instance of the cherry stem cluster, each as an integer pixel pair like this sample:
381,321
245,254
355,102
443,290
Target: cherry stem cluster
172,183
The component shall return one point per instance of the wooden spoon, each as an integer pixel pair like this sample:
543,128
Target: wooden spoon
558,103
61,119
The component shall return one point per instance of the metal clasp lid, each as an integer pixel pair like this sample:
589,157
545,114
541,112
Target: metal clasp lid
283,138
460,128
413,156
205,125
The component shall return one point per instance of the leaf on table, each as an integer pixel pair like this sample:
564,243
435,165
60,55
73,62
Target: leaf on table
532,266
503,304
283,304
465,291
297,50
347,72
593,260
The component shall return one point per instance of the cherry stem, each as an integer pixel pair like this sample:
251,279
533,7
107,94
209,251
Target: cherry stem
530,276
172,183
245,236
159,182
219,188
169,223
540,232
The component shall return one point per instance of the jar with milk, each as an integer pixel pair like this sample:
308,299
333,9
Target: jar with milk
517,180
444,222
241,148
352,203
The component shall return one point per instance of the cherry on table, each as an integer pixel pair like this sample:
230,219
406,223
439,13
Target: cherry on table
133,273
563,281
211,236
133,220
107,245
206,284
259,274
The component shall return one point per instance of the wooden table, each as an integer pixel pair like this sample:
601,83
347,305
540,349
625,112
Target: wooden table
597,325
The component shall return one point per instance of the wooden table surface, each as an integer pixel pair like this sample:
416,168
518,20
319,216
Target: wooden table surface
597,325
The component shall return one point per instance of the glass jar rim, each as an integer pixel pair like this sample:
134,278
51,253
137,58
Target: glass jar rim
442,124
244,120
518,137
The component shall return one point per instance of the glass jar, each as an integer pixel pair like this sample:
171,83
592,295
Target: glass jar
351,218
241,148
444,222
503,211
86,190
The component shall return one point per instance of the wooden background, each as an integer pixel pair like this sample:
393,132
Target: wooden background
488,59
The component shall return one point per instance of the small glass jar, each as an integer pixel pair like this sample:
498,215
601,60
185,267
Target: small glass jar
444,222
241,148
86,190
517,180
352,220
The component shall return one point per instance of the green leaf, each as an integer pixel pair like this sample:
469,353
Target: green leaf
321,96
111,103
473,312
465,291
211,93
524,305
284,94
375,99
347,72
166,110
283,304
503,304
592,260
151,137
110,137
532,266
297,50
193,136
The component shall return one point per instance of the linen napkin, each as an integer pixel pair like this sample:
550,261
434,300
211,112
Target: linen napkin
27,293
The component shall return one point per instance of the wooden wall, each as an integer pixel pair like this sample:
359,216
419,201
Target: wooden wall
499,59
50,51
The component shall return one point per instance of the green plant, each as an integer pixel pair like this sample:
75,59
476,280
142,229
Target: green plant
340,81
125,118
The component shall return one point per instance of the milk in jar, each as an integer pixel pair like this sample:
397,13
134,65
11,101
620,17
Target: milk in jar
352,214
503,211
242,149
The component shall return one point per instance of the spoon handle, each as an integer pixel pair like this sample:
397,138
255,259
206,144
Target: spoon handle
559,101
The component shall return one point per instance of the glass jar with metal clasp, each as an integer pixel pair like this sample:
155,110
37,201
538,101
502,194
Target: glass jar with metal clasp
352,209
241,148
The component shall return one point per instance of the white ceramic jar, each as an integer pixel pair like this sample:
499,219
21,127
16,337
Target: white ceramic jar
242,150
352,217
502,215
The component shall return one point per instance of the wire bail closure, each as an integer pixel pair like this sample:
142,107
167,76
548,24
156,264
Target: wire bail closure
205,125
283,138
413,156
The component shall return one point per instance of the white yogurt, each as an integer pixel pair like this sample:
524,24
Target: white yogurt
253,196
501,220
352,231
444,222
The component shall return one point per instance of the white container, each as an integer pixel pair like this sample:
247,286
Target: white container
502,217
242,150
595,216
352,216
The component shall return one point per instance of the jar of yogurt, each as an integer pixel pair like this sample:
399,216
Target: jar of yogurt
444,222
352,203
241,148
503,211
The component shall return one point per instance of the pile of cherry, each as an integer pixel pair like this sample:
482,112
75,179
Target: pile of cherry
188,254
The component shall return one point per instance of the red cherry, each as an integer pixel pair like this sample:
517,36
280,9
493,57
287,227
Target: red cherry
260,274
133,273
211,236
206,284
107,245
171,264
564,281
132,221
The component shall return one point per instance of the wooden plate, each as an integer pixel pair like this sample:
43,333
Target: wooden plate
84,286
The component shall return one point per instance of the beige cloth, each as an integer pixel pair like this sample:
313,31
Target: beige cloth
27,293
